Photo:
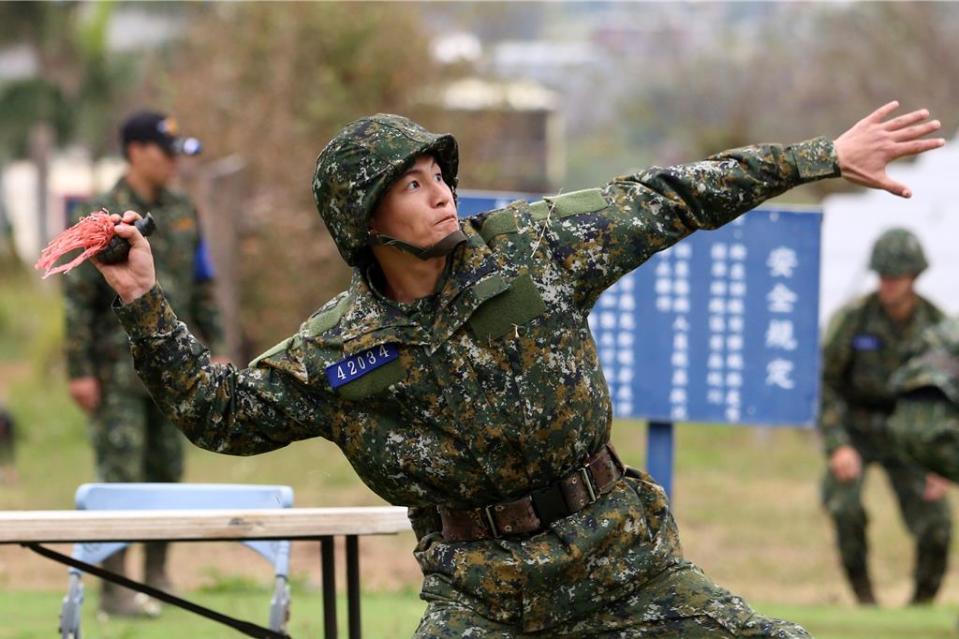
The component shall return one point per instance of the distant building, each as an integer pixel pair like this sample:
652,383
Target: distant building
72,179
513,133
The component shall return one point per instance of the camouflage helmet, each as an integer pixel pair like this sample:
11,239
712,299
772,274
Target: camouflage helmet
897,252
360,163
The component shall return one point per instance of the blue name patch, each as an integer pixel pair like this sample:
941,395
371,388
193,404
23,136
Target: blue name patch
356,366
866,342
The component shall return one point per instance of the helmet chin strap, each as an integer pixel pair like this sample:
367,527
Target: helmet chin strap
441,249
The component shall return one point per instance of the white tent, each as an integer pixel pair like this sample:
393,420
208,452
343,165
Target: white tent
853,221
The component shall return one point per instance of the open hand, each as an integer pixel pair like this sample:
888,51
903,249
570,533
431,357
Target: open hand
136,276
865,150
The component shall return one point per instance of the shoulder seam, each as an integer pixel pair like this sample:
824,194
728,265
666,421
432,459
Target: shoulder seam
576,202
324,320
270,352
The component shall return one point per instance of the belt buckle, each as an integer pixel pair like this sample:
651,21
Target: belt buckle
487,511
588,482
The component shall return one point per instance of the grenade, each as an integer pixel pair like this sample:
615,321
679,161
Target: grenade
118,248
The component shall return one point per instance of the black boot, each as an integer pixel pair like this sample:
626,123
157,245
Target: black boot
861,587
154,566
118,601
931,560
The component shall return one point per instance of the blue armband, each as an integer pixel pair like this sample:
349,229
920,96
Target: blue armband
202,264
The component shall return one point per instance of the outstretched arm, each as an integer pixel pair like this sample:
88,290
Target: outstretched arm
633,217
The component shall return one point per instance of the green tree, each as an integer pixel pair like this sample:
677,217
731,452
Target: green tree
74,93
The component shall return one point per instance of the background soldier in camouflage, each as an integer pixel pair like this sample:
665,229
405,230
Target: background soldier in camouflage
864,345
132,440
459,376
925,424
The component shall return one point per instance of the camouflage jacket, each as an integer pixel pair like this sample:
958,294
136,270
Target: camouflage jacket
486,390
933,361
96,345
861,350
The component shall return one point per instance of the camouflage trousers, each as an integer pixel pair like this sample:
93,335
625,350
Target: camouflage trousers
929,522
680,602
133,442
926,430
613,569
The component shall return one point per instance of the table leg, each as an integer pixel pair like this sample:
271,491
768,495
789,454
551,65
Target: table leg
353,584
329,587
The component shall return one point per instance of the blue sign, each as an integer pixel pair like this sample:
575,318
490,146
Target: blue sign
722,327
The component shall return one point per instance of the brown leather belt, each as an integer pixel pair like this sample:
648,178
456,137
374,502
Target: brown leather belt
533,513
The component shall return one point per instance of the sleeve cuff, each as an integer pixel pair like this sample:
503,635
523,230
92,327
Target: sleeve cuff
815,159
77,370
147,316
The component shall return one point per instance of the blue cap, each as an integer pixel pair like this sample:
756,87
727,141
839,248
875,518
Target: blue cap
159,128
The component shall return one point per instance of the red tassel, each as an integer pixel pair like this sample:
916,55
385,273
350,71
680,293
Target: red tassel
92,234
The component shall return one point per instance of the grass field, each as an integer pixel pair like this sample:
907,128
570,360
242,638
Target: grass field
746,502
394,615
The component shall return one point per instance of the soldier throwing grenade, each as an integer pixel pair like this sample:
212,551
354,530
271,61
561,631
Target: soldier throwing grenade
459,377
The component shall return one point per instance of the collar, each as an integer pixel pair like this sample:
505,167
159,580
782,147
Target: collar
474,274
371,319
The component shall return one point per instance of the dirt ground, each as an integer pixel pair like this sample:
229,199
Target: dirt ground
10,372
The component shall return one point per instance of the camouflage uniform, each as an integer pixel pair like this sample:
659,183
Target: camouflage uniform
925,424
132,440
863,347
487,389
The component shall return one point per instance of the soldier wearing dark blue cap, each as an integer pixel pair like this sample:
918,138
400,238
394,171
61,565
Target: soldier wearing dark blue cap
150,127
131,439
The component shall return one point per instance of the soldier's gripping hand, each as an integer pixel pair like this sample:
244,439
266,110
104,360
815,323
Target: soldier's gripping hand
871,144
936,487
845,464
136,276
